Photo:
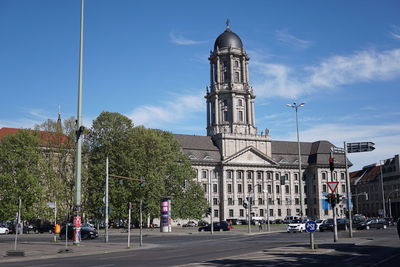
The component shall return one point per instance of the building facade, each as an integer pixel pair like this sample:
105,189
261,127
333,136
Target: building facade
369,193
235,161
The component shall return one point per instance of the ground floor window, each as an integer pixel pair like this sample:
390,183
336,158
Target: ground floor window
216,214
231,213
241,213
262,212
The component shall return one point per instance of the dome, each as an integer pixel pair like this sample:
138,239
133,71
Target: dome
228,39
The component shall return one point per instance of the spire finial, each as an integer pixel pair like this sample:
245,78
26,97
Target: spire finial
228,21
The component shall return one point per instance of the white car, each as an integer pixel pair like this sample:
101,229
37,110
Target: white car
4,230
296,226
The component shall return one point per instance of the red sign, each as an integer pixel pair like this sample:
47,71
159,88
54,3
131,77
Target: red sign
77,222
332,186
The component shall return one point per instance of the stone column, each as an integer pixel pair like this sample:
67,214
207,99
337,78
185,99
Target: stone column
216,106
208,113
218,71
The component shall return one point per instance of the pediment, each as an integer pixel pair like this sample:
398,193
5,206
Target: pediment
250,156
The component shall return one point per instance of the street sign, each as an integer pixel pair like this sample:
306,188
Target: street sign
360,147
311,226
332,186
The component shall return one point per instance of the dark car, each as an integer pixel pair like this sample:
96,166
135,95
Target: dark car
218,226
202,223
87,232
373,223
341,224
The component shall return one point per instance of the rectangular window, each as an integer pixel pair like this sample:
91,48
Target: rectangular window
215,188
240,115
296,176
287,177
226,115
277,176
296,189
278,200
343,188
289,212
229,188
270,201
237,77
259,188
249,175
271,212
261,212
342,175
240,201
240,190
279,212
240,174
324,176
287,189
231,213
277,189
241,213
204,174
269,175
237,64
205,188
259,175
297,201
215,201
249,188
216,213
240,103
229,174
260,202
269,188
324,188
230,201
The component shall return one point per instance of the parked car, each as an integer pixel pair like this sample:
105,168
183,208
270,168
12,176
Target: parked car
202,223
189,224
4,230
86,232
342,224
373,223
45,228
296,226
218,226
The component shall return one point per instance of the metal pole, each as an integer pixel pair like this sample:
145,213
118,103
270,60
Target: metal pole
302,210
129,225
383,192
141,222
335,235
78,158
390,208
18,222
211,204
267,211
348,192
106,202
312,240
249,215
55,221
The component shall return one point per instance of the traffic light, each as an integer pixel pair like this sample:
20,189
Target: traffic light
145,205
331,164
208,211
332,199
245,205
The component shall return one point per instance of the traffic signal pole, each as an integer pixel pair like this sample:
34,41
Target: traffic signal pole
333,203
348,192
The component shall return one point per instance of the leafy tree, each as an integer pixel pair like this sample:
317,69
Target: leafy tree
21,175
140,153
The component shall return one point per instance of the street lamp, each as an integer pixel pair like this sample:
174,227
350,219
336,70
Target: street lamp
267,211
383,191
390,205
296,106
360,194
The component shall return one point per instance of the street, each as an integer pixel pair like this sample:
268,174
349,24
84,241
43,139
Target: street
187,247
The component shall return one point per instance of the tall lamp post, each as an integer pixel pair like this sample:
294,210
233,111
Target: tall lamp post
267,210
382,189
79,131
296,106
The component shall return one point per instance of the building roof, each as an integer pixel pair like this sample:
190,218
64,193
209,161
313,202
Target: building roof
199,148
228,39
368,174
46,138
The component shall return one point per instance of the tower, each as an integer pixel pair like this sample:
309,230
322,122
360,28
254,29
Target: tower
230,98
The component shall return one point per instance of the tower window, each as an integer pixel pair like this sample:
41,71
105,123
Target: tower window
240,115
237,78
237,64
225,115
240,103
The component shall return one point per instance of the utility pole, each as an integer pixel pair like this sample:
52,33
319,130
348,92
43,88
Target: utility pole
348,192
211,203
129,223
333,204
106,201
79,132
141,223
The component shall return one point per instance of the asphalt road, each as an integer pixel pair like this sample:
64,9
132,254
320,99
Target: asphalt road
368,248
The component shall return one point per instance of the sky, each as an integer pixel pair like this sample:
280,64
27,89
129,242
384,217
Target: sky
148,60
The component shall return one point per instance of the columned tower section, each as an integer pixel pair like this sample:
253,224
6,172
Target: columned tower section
230,98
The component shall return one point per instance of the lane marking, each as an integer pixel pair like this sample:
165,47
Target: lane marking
105,265
41,265
116,257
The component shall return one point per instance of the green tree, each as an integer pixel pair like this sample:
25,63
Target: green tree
21,175
139,152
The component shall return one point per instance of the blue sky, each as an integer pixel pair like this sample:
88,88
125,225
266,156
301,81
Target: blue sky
148,60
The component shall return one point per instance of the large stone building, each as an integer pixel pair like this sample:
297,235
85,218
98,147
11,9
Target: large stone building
235,161
369,193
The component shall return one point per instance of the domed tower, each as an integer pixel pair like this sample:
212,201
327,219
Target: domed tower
230,98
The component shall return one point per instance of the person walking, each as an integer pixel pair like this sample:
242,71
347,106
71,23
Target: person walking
259,226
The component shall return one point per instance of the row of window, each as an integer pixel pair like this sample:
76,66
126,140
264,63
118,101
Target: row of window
260,175
258,188
261,212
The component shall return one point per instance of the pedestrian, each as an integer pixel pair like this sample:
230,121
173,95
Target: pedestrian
259,226
398,227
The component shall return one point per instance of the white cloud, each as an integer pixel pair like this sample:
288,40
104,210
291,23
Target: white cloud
287,38
181,109
180,40
395,33
364,66
386,138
